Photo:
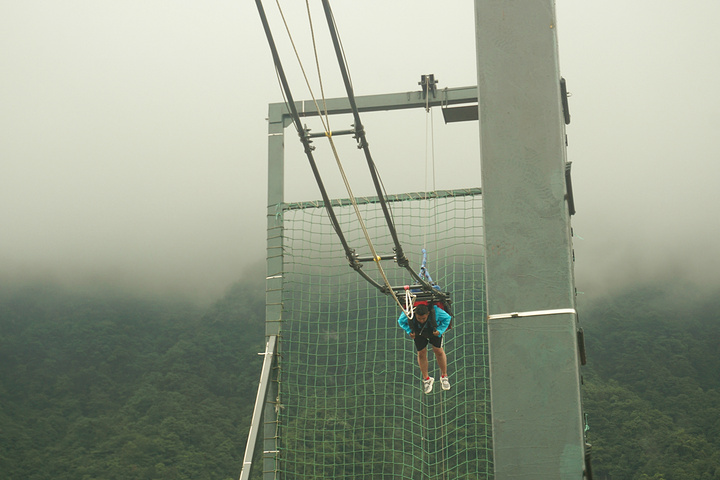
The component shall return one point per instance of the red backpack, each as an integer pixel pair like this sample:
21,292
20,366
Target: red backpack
439,304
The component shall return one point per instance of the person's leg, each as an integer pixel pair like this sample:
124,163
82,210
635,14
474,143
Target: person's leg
423,362
427,380
441,360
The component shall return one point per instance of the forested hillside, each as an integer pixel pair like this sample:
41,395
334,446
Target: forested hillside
113,387
652,384
105,387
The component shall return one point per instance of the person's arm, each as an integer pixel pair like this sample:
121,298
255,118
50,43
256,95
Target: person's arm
404,324
442,319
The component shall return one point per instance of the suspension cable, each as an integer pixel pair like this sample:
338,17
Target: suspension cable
360,137
304,138
362,141
328,134
317,64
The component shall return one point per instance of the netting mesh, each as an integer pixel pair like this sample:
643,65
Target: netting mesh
351,404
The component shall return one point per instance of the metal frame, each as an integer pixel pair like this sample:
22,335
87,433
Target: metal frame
536,402
279,117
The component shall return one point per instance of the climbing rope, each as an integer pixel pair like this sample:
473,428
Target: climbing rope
351,196
328,134
409,303
362,143
326,124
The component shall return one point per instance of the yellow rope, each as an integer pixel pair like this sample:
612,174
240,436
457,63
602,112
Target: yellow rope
317,63
328,135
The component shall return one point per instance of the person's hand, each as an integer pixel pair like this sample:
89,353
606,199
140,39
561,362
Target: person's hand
436,333
412,335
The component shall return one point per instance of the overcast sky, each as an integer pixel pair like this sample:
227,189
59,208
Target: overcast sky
133,134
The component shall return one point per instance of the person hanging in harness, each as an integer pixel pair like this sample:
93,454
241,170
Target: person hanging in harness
428,325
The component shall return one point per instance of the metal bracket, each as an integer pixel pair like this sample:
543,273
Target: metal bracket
428,84
359,135
305,138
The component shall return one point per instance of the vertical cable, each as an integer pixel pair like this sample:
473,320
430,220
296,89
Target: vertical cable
434,186
427,160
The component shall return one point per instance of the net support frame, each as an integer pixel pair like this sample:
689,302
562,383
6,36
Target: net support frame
280,117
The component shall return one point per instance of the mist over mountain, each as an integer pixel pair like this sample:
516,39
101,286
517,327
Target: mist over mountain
135,145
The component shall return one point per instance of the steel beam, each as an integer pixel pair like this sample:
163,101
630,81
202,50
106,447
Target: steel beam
533,355
268,361
382,102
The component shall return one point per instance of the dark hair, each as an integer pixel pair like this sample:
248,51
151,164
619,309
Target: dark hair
421,309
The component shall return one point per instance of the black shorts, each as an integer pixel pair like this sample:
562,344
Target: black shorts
421,342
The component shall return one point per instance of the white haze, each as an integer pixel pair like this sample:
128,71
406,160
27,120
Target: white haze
133,147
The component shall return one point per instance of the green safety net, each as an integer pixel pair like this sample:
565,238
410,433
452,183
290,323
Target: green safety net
350,399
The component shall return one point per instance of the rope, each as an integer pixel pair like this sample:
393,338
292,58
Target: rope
409,303
342,48
300,63
317,63
328,134
434,187
429,168
429,466
360,136
349,253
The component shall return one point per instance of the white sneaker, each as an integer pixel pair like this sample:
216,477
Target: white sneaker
445,383
427,385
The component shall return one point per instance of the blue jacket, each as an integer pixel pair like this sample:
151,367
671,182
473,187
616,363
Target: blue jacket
442,320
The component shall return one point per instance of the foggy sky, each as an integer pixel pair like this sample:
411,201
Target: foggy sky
134,149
